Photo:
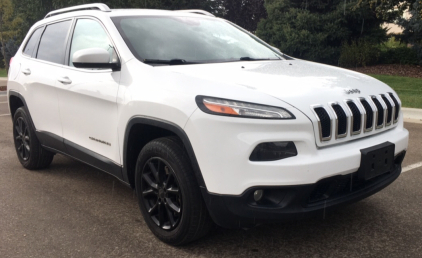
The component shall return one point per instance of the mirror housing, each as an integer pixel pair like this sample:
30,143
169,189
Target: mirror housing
95,58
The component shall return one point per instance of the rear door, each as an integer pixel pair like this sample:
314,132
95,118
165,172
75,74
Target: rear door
87,97
42,62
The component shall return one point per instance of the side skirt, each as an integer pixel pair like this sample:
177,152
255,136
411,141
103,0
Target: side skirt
57,144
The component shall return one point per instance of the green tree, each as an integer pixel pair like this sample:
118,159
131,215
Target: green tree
389,9
316,29
245,13
412,29
9,27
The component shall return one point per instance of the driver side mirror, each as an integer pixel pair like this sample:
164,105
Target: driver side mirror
95,58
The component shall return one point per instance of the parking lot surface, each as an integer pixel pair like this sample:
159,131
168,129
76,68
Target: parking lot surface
73,210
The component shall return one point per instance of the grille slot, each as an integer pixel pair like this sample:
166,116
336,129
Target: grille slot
396,103
389,114
369,115
380,112
324,123
356,119
341,130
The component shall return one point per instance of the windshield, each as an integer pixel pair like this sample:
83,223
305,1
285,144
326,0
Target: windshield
183,40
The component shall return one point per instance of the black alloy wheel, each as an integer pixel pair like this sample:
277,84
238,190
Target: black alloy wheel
161,194
168,193
30,152
22,139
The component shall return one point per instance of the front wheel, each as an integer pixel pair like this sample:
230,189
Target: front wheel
168,194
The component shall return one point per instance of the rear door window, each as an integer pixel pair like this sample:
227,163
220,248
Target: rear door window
53,42
32,42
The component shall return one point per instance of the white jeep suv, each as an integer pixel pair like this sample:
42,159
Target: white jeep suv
204,120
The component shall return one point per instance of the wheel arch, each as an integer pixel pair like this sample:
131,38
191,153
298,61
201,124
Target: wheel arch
16,100
153,128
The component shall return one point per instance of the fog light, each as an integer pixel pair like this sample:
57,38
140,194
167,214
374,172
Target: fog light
270,151
257,195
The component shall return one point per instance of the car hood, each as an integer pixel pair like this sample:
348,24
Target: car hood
300,84
296,82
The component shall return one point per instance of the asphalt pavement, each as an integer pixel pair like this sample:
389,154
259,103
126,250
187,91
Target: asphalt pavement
73,210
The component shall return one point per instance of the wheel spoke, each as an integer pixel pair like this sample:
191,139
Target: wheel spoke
154,172
172,205
25,153
170,215
18,138
168,180
20,126
153,208
149,181
173,190
148,192
17,129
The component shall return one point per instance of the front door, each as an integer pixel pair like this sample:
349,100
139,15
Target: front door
87,97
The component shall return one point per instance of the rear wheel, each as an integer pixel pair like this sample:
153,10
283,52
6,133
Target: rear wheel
29,150
169,196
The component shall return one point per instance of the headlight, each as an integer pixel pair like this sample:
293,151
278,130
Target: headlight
225,107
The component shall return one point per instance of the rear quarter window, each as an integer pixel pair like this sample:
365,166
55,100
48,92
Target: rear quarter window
32,42
53,42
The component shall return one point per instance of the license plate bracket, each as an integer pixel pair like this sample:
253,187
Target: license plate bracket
376,160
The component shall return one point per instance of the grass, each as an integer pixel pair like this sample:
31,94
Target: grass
408,89
3,73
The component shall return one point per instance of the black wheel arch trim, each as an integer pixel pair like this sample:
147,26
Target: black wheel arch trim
172,127
25,106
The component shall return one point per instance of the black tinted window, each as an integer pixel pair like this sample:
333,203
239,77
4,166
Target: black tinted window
32,42
53,42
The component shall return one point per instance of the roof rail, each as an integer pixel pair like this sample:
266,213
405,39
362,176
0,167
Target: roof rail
100,7
197,11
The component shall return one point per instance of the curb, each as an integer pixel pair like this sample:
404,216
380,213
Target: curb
412,115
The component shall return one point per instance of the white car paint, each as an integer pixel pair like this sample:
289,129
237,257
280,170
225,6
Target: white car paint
101,103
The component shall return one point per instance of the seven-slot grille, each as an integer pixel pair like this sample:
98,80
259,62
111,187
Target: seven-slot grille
363,115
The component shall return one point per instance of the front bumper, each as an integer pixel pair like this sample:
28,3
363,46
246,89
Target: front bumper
285,203
223,146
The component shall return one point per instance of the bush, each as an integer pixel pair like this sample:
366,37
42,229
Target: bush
399,55
358,53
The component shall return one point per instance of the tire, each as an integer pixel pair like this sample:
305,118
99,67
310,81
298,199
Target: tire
165,184
30,153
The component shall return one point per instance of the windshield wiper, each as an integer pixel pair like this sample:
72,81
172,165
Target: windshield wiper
247,58
167,62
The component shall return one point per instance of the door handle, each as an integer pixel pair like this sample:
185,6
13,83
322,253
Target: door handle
26,71
65,80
